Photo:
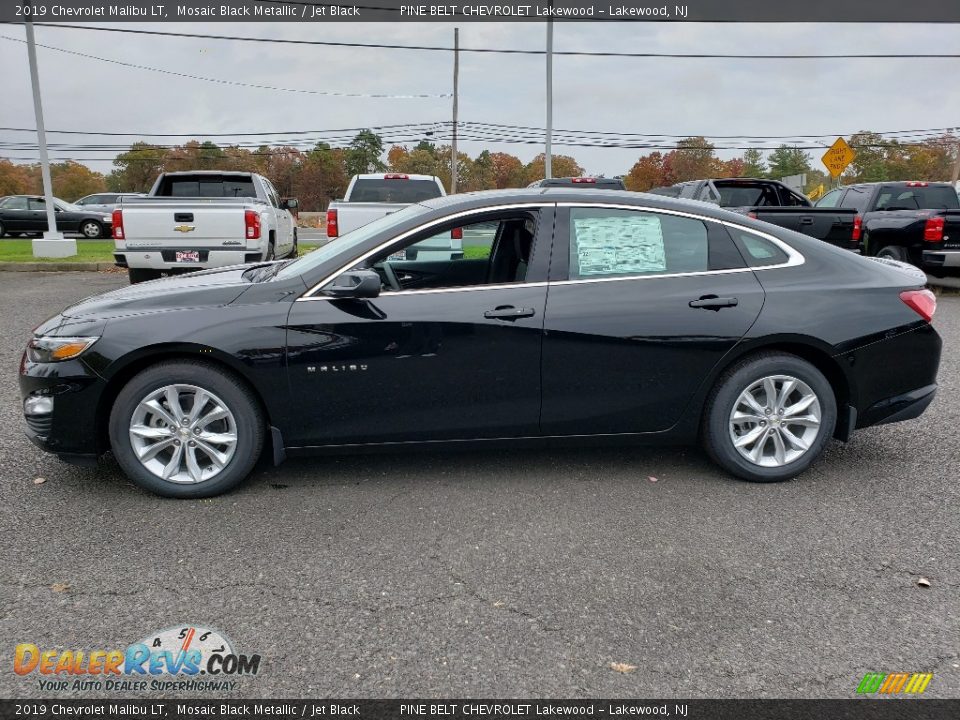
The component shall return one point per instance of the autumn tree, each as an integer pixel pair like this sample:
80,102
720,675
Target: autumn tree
137,168
507,170
561,166
692,160
17,179
646,173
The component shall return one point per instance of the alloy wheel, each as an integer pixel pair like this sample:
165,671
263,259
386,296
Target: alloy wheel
183,434
775,421
91,230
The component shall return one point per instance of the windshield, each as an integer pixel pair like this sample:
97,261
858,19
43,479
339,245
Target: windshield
349,241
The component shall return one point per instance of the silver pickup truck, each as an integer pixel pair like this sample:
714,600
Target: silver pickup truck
202,219
373,195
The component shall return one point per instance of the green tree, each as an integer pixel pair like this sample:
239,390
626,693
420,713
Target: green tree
363,155
137,168
786,160
753,164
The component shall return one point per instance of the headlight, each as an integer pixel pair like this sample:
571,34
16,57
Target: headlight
56,349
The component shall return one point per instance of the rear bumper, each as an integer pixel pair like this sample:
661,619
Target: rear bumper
166,259
941,260
902,407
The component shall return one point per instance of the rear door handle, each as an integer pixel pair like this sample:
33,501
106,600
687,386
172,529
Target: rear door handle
712,302
508,312
806,221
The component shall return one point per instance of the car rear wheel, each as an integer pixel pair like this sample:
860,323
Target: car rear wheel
769,417
91,229
186,430
139,275
894,253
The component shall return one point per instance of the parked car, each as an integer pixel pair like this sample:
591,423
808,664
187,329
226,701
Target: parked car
27,215
914,222
596,316
202,219
599,183
775,203
104,202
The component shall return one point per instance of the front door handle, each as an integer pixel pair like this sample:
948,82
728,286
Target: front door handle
508,312
712,302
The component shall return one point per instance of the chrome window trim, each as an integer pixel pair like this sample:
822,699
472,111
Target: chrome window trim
794,257
310,294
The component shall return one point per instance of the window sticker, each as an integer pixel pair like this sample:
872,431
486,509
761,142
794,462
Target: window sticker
619,245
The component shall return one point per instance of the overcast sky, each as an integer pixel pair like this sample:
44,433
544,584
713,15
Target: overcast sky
686,96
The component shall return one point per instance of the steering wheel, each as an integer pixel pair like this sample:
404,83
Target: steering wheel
392,280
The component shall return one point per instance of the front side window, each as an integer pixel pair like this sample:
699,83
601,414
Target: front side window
38,204
619,243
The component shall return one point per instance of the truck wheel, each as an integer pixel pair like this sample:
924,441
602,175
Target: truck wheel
295,251
271,251
3,230
769,417
139,275
186,430
91,229
894,253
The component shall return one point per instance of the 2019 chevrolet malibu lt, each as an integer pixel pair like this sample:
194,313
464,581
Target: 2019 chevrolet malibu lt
586,316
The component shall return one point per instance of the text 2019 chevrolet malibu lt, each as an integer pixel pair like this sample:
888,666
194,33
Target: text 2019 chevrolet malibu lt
574,315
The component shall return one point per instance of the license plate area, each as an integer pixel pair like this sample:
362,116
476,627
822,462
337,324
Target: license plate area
187,256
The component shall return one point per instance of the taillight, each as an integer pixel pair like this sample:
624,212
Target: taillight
922,302
933,229
584,180
915,183
857,232
752,214
117,224
251,219
396,176
457,233
332,229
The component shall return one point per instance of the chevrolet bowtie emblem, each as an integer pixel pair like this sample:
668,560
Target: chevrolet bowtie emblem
185,228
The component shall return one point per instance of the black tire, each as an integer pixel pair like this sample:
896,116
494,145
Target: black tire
894,252
91,229
139,275
227,388
3,231
716,428
271,250
295,251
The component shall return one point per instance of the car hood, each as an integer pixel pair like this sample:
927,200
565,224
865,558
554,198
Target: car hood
220,286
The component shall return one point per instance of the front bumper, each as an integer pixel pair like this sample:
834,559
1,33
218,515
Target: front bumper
70,430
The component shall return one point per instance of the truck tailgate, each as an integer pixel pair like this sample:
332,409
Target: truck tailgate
185,223
352,215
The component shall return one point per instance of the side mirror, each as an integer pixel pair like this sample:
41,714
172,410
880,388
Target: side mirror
291,203
355,284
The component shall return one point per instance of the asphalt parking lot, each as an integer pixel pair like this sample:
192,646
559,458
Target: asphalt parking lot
500,574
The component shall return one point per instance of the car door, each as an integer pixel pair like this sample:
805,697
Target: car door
449,350
15,214
642,305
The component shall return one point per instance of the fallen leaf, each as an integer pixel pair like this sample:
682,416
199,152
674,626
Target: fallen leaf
923,582
622,667
60,587
498,603
652,478
39,481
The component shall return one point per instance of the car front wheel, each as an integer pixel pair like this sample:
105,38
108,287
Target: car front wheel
769,417
186,430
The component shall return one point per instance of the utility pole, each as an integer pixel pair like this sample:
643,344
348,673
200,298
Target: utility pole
53,244
456,83
548,151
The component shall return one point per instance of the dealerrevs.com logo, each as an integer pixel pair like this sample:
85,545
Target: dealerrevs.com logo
189,657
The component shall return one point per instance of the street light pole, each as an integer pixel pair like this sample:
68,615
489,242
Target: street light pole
548,151
53,244
456,82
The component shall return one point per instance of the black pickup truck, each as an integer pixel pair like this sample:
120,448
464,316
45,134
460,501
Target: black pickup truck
775,203
915,222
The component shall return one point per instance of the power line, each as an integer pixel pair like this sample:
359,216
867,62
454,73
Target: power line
236,83
509,51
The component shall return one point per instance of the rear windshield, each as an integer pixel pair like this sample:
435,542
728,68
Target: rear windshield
742,195
938,197
207,186
393,190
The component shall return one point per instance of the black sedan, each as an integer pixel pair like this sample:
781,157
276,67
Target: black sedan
27,214
577,315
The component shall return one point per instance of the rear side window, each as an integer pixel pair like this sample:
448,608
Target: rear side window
14,203
758,251
397,190
619,243
830,200
855,199
207,186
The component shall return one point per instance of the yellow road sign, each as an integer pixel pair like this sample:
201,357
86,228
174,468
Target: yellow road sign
838,157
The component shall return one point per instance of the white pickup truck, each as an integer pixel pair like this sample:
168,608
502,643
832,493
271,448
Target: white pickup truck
373,195
202,219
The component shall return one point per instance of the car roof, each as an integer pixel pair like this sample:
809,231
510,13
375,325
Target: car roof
208,172
382,176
